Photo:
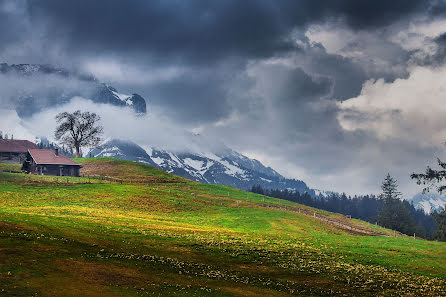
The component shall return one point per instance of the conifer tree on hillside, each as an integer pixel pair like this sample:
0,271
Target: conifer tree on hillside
394,214
440,218
390,189
433,178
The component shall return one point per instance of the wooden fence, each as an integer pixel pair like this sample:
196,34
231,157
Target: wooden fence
83,179
103,178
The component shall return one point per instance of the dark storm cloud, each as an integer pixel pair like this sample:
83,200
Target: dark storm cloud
346,75
438,8
200,97
440,56
297,85
186,30
10,27
204,30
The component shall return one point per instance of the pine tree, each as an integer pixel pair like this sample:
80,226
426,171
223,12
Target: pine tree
440,219
390,189
430,179
394,214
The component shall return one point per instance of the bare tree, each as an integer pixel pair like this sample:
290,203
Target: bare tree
78,129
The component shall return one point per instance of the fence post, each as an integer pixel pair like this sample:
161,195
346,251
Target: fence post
414,236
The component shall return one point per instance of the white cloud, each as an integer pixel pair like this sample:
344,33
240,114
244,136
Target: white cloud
419,36
11,124
333,39
411,108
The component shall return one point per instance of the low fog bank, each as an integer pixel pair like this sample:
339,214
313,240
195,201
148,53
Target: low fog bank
153,129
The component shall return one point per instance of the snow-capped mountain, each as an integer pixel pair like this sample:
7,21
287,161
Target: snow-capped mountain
34,87
429,202
323,194
226,167
107,94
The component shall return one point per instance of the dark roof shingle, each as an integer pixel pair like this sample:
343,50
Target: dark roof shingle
49,157
16,146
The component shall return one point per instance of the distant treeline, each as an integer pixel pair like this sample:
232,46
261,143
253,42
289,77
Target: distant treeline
62,150
401,216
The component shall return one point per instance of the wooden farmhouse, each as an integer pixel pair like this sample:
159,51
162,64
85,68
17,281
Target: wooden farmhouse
14,151
50,162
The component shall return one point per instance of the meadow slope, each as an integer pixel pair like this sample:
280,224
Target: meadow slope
155,234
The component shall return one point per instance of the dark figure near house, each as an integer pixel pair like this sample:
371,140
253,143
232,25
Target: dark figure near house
50,162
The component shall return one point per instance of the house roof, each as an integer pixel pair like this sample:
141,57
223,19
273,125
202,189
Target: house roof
49,157
16,146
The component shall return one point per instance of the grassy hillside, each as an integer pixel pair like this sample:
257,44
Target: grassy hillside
161,235
10,167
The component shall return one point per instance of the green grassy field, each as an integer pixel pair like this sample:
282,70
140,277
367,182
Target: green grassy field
10,167
156,234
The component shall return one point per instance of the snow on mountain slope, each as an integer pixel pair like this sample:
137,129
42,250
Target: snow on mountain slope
225,167
107,94
429,202
123,150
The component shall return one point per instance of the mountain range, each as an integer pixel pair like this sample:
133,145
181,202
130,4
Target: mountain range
224,166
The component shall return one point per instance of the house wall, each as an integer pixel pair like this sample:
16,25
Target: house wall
9,157
58,170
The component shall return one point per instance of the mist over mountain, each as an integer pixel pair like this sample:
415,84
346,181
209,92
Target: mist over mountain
30,88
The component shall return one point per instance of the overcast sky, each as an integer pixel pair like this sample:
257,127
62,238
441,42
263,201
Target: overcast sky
336,93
